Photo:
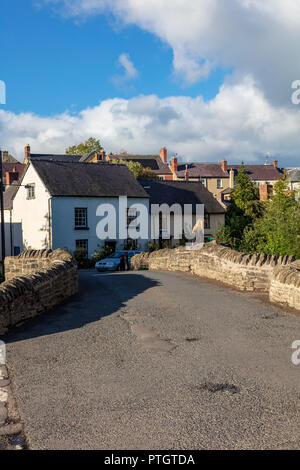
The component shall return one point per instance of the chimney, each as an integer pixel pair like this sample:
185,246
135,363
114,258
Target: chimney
186,173
275,163
27,153
224,165
174,165
4,155
102,155
164,154
263,192
11,176
231,179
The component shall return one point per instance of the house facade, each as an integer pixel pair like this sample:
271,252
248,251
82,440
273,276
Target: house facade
214,176
182,193
58,204
293,181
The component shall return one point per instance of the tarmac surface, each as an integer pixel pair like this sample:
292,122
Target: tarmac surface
156,360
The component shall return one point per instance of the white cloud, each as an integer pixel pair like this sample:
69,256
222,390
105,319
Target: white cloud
239,123
130,72
255,37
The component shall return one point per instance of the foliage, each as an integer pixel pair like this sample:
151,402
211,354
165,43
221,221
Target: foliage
153,246
244,209
1,277
136,169
83,262
278,230
103,253
85,147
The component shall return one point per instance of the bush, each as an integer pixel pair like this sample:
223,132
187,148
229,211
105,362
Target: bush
152,246
103,253
83,262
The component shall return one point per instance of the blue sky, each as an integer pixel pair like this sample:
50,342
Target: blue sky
208,79
51,64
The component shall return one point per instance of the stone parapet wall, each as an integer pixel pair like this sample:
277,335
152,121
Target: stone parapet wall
285,285
31,261
246,272
46,279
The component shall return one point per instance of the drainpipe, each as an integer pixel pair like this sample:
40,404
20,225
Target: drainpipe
11,234
50,223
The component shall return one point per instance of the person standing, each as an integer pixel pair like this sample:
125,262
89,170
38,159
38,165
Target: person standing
126,262
122,263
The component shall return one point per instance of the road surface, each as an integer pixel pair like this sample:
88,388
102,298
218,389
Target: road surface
155,360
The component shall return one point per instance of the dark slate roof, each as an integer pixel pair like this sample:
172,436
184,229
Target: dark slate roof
55,157
181,192
10,191
201,170
18,167
88,179
259,172
154,162
7,157
9,194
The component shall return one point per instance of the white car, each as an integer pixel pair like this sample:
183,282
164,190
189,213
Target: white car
112,263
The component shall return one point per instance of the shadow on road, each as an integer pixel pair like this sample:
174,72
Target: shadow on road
99,295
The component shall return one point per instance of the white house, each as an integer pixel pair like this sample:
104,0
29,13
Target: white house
57,204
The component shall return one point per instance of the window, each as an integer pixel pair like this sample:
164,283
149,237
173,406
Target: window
131,215
219,184
206,221
31,191
130,244
203,181
80,218
83,244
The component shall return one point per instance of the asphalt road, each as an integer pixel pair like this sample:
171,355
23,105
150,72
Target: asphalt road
158,361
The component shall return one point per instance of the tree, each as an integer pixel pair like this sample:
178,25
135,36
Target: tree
85,147
278,230
244,208
136,169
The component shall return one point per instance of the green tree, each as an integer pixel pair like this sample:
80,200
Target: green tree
244,208
278,230
85,147
136,169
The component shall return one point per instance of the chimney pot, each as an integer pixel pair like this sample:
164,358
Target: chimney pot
164,154
27,153
231,179
174,164
224,165
186,174
275,163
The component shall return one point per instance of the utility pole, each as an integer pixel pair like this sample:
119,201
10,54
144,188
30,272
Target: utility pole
2,216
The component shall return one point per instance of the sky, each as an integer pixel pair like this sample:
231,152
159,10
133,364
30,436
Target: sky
208,79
